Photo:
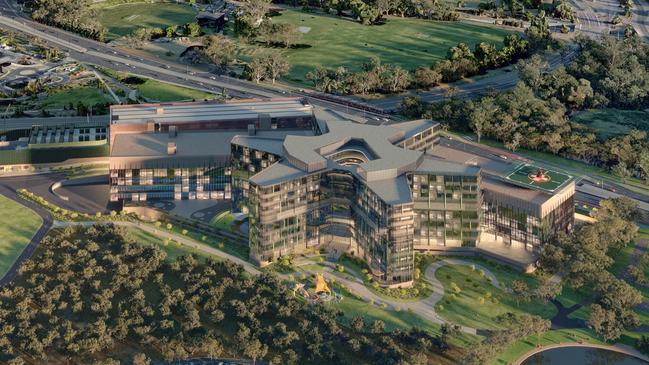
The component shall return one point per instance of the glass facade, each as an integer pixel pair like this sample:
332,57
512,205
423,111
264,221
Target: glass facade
447,210
515,225
208,182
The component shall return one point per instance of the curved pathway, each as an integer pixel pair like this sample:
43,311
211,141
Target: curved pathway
27,252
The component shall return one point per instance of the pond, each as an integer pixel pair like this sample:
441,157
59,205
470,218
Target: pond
582,356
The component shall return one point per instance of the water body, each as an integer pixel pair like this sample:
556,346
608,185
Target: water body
581,356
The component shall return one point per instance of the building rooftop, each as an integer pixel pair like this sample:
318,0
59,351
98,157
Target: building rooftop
190,147
387,160
209,111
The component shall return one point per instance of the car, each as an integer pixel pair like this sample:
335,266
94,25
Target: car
611,189
213,77
503,157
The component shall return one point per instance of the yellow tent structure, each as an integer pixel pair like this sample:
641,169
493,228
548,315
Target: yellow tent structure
321,285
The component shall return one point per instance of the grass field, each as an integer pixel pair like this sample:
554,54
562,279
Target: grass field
333,41
612,122
123,19
17,226
160,91
85,94
479,303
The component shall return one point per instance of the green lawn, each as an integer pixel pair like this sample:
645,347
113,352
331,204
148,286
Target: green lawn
17,226
161,91
123,19
223,221
85,94
611,122
331,41
466,307
171,248
351,307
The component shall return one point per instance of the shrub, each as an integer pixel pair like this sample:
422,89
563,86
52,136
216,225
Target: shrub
169,226
98,214
184,232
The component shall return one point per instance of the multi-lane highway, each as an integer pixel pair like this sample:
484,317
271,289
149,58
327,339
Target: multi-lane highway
97,53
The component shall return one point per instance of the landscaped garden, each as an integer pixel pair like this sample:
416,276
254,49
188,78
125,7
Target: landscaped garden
123,19
331,42
471,300
17,226
72,96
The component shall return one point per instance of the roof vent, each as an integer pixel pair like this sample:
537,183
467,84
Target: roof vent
160,110
171,148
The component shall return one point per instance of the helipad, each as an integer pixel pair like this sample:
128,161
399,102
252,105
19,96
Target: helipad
537,177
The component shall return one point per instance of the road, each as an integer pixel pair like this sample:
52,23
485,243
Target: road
497,80
106,55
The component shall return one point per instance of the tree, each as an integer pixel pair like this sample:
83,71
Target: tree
276,66
426,77
170,31
256,10
257,70
531,71
219,50
548,289
141,359
539,30
254,349
193,29
287,34
398,80
357,323
520,290
378,326
482,116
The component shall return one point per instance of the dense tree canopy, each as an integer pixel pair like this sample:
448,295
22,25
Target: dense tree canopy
89,293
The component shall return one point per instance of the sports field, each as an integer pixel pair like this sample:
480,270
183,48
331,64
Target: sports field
17,226
331,41
123,19
529,175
